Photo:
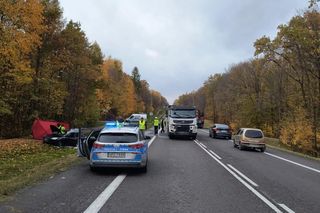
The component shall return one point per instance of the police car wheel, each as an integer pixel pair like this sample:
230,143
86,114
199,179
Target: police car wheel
144,169
93,169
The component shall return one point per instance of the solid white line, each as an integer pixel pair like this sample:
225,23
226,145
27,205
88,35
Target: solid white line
203,145
151,141
286,208
258,194
111,188
105,195
298,164
217,156
243,176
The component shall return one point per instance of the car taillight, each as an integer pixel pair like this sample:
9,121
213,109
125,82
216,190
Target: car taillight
136,146
214,129
97,145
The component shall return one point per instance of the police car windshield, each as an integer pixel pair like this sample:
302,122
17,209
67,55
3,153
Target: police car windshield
183,113
118,138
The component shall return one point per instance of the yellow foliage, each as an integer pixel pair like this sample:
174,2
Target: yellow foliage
296,131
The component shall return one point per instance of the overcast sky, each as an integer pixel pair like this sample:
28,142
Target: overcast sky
177,44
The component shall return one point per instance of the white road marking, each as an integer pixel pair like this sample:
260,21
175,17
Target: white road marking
105,195
217,156
258,194
111,188
151,141
202,145
286,208
298,164
243,176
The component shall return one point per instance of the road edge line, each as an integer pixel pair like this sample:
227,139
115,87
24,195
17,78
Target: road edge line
99,202
290,161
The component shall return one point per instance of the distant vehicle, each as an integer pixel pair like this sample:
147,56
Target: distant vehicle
200,119
181,121
220,131
69,139
134,119
116,147
249,138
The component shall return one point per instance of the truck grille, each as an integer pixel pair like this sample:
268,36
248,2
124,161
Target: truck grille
183,121
184,128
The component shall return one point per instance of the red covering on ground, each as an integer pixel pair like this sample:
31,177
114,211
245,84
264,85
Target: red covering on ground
40,128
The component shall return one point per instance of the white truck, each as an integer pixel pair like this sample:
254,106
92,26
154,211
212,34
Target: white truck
181,121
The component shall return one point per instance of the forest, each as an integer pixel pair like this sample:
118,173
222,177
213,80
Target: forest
50,70
277,90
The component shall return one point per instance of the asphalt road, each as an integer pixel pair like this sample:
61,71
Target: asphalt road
205,175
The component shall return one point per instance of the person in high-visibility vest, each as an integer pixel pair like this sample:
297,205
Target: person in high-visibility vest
142,125
156,125
61,129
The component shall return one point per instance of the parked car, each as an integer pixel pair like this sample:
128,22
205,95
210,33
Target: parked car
249,138
116,147
69,139
220,131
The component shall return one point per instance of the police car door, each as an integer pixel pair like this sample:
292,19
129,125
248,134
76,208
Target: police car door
88,142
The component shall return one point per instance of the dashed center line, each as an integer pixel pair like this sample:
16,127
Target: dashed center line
254,191
243,176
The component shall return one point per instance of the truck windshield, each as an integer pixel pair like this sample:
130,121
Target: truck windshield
183,113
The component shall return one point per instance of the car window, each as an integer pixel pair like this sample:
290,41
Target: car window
253,134
222,126
118,138
241,132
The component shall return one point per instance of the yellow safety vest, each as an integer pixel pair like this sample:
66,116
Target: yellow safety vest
156,122
142,124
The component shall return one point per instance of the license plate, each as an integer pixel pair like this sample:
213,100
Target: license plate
116,155
224,131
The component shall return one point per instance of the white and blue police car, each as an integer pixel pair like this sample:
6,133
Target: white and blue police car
116,146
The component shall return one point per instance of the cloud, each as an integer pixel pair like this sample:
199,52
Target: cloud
177,44
151,53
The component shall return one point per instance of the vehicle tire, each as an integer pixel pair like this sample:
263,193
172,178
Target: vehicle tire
263,149
144,169
193,137
93,169
170,136
240,146
210,135
234,144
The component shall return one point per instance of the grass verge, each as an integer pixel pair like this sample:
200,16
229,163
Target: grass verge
26,161
275,143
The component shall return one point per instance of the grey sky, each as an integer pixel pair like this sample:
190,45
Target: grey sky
177,44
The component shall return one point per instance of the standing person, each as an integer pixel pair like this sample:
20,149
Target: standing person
142,125
156,125
162,125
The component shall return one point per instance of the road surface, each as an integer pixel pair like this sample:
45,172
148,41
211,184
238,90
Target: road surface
203,175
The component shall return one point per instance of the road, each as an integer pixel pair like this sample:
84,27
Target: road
205,175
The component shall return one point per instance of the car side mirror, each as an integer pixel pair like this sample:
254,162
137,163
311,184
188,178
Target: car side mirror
147,137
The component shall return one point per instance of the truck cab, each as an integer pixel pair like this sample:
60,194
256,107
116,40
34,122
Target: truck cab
181,121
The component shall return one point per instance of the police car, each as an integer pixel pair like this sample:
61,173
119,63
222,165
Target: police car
116,146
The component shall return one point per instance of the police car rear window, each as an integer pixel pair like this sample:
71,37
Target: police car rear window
118,138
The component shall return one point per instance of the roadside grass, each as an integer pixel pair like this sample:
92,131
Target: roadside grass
276,144
27,161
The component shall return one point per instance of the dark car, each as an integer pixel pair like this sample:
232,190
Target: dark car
220,131
69,139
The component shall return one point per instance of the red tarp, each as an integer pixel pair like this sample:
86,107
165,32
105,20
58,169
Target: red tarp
40,128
